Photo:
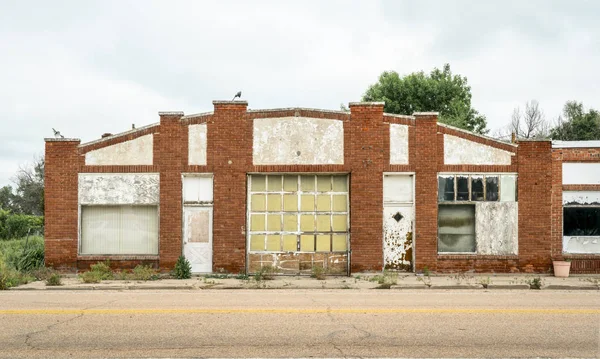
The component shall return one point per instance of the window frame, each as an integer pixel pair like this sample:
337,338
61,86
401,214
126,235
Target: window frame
298,193
117,255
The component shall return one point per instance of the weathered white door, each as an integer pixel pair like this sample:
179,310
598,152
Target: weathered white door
398,220
197,238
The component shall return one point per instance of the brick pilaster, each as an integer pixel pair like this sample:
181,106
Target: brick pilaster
229,154
427,153
60,201
365,155
170,146
535,199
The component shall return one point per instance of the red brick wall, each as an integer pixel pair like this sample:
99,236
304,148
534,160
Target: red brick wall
535,194
229,154
60,201
170,144
426,168
365,155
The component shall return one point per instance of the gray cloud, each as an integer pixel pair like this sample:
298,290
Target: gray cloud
92,67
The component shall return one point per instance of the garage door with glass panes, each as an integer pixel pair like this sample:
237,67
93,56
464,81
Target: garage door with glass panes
298,223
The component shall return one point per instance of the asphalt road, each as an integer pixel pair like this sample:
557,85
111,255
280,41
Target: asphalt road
299,323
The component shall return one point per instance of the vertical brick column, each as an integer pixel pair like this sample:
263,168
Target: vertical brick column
427,153
535,200
229,154
60,202
365,155
557,206
170,145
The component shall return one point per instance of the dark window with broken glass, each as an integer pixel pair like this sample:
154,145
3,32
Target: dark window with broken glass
468,188
581,221
445,188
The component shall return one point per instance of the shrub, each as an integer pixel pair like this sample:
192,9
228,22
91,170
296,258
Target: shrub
19,225
183,268
54,280
265,273
31,258
102,270
144,272
318,272
91,277
32,248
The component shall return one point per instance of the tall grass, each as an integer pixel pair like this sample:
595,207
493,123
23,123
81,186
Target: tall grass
19,258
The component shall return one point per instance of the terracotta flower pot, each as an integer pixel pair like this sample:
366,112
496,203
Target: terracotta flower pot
561,268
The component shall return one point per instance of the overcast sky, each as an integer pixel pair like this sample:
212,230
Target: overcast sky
90,67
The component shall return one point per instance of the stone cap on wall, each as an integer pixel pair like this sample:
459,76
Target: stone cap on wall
170,113
54,139
426,113
374,103
222,102
575,144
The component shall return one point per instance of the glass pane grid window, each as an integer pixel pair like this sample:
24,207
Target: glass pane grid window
298,213
470,188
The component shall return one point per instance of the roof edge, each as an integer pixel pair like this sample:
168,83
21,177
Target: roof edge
108,138
576,144
477,135
298,109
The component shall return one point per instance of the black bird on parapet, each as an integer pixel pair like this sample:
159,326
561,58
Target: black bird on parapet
57,134
238,95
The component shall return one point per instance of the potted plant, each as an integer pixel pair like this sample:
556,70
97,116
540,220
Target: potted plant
561,268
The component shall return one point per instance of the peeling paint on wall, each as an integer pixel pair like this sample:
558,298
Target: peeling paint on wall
398,144
496,226
197,144
134,152
108,188
298,140
397,237
581,198
581,173
458,151
584,244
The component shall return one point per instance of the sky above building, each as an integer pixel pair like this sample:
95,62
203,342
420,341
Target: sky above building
91,67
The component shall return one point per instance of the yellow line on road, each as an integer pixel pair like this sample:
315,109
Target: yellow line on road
298,311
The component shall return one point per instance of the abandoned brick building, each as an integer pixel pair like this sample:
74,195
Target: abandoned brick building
236,190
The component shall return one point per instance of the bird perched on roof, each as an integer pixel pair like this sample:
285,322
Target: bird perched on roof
238,95
57,134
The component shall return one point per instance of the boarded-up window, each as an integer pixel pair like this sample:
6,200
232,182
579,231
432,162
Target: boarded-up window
581,221
456,228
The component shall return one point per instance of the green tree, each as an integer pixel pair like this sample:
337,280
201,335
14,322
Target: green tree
7,198
29,191
440,91
577,124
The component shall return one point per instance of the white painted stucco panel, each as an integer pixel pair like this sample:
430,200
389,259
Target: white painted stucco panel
581,173
496,228
138,151
197,189
197,140
297,140
458,151
581,198
398,144
114,189
583,244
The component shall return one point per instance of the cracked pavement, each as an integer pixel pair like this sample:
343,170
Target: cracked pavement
299,323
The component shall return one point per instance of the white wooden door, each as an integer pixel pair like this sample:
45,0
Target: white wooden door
397,237
398,221
197,238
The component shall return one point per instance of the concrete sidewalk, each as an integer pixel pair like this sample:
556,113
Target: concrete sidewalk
361,281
